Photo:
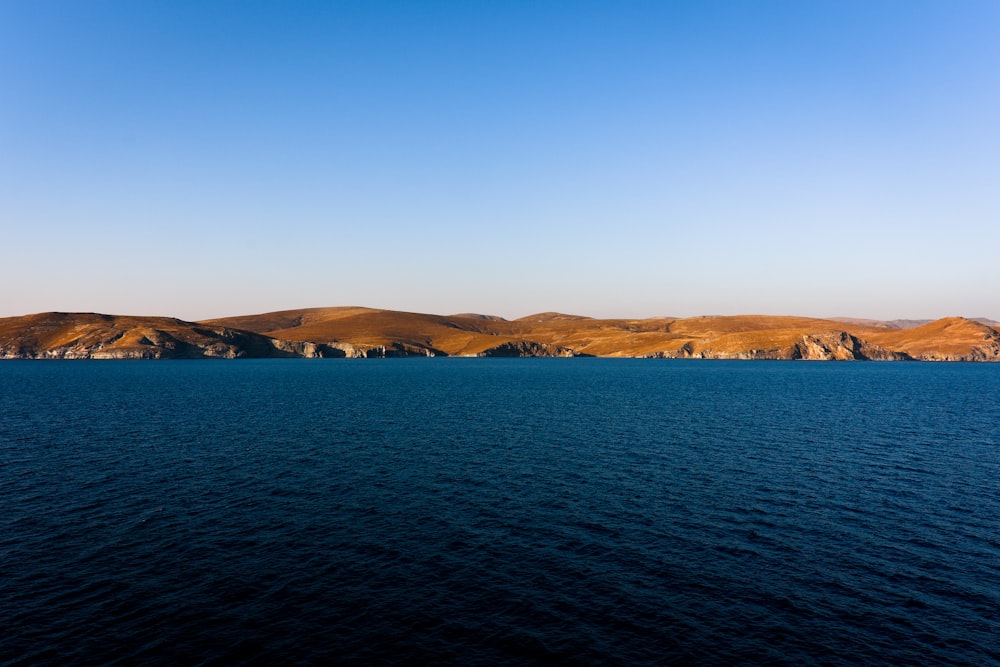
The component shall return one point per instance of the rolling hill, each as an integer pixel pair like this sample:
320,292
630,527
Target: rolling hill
369,332
552,334
96,336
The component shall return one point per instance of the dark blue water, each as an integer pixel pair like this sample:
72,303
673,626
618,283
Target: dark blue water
488,512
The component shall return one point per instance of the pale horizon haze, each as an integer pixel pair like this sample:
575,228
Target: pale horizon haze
635,159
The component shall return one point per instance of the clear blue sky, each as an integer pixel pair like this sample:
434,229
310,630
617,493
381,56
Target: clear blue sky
632,159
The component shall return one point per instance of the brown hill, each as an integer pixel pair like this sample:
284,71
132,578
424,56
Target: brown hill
479,316
366,332
367,329
884,324
948,339
552,317
907,324
95,336
722,337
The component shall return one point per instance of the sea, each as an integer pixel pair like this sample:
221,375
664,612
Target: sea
499,512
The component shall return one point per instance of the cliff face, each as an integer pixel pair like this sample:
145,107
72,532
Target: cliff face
826,346
841,346
367,333
390,351
527,348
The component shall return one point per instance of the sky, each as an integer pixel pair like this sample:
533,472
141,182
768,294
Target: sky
611,159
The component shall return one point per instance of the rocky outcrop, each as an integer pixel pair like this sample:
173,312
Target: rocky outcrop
828,346
307,350
390,351
395,350
527,348
841,346
347,350
989,350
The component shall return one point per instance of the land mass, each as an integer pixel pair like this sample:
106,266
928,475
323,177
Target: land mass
357,332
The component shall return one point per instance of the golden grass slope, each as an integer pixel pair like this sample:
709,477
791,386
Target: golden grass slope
372,328
948,339
96,336
357,331
722,337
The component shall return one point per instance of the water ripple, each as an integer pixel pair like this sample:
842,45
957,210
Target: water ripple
499,512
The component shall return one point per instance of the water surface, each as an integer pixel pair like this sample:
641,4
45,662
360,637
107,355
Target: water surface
499,511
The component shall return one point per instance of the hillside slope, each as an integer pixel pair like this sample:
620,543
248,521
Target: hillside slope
948,339
549,334
367,332
96,336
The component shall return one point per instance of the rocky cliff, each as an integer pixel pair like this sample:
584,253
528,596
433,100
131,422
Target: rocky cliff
527,348
841,346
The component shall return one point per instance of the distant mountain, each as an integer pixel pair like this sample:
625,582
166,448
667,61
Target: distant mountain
883,324
368,332
905,324
552,317
479,316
